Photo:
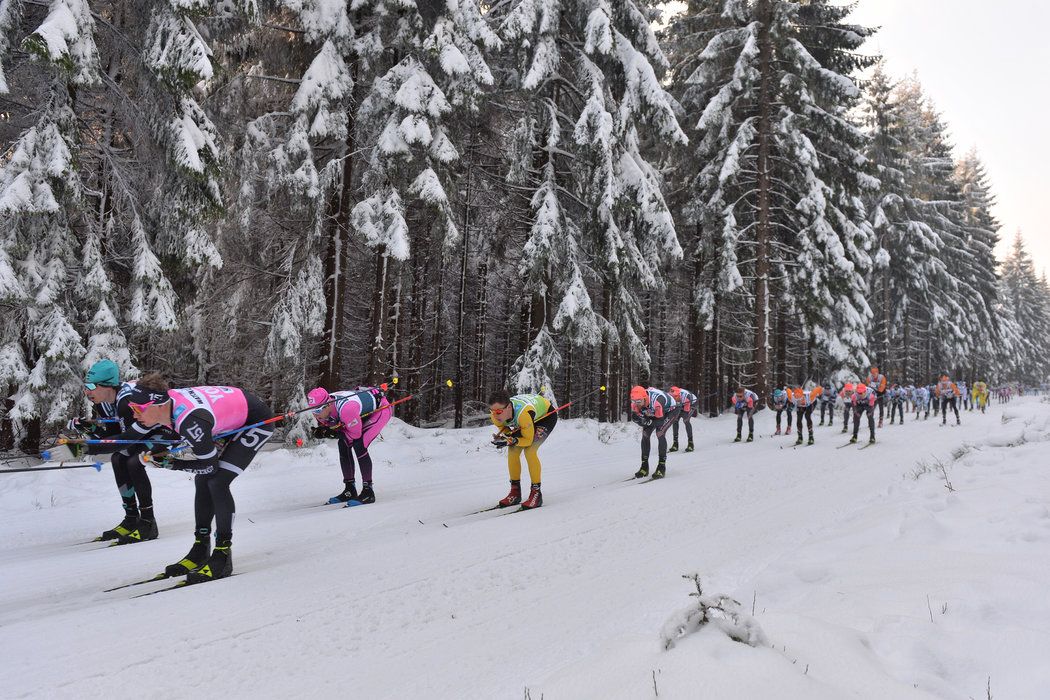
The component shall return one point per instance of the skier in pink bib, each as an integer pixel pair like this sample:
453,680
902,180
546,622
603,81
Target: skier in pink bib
196,415
356,418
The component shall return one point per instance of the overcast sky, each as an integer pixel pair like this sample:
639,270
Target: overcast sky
986,65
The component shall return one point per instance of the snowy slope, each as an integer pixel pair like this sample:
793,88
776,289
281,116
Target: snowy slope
837,550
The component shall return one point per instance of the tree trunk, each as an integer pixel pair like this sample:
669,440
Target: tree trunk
480,327
329,369
765,128
461,309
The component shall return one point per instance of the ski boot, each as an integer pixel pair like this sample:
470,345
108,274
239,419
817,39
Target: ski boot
821,423
348,493
737,438
195,558
130,521
673,448
144,530
800,439
750,437
367,495
661,468
777,433
689,448
535,499
845,429
958,422
810,441
219,564
853,440
643,471
788,431
871,440
514,497
880,423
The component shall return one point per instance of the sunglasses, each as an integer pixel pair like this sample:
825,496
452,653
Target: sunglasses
496,411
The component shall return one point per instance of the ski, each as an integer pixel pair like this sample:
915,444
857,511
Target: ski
159,577
484,510
846,445
652,478
351,504
870,444
180,584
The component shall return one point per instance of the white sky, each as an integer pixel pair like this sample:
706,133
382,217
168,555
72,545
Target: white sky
986,66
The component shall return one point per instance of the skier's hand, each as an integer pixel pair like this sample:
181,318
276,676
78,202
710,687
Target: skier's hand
510,441
324,432
77,425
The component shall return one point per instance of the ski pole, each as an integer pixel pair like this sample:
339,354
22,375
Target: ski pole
46,454
562,407
97,466
275,419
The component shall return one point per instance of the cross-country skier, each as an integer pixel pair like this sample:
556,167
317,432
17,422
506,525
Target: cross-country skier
877,383
922,402
964,396
687,403
828,397
196,414
745,403
781,403
896,395
980,395
655,411
524,422
805,398
112,400
948,396
864,400
357,417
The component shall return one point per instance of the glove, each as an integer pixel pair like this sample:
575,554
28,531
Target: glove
77,425
323,432
510,441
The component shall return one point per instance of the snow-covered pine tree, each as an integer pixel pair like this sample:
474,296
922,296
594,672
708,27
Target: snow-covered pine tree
39,197
605,93
778,170
1023,293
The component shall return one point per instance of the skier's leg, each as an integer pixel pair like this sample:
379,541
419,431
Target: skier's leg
533,459
688,428
739,421
871,421
122,476
857,410
143,488
646,445
750,422
346,461
222,501
364,460
809,418
514,462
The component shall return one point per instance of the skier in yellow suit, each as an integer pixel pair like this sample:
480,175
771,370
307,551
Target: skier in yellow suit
980,395
524,422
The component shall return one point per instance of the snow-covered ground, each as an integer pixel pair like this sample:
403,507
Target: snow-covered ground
867,577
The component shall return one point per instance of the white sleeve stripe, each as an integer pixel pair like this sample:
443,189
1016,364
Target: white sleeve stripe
230,467
207,456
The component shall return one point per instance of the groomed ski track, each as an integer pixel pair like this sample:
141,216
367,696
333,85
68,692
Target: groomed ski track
411,597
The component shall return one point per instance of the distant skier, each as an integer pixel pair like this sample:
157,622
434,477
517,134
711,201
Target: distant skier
524,423
781,403
745,403
357,417
897,396
112,400
877,383
863,402
964,395
687,402
948,396
828,397
805,399
196,414
655,411
922,402
980,395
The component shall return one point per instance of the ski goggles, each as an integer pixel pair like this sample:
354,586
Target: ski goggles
140,408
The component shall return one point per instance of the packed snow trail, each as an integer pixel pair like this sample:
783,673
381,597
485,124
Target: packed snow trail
411,597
